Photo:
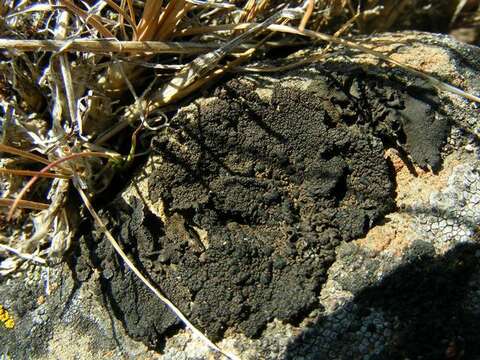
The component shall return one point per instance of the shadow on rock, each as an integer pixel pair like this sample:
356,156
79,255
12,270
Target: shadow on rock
427,308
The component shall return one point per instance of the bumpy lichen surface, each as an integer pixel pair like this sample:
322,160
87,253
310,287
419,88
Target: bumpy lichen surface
259,183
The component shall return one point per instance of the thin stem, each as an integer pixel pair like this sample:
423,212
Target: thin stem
142,278
90,19
105,46
306,16
22,255
32,173
122,13
25,204
24,154
434,81
45,169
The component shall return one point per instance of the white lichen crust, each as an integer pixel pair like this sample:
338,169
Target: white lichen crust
453,214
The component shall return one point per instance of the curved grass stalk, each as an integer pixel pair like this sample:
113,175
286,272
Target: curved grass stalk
123,13
310,4
24,154
33,173
441,85
142,278
45,169
93,20
16,252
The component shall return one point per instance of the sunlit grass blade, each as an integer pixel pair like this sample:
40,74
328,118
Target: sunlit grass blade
32,181
18,172
23,154
24,204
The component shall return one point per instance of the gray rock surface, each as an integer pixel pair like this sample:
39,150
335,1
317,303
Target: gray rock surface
290,217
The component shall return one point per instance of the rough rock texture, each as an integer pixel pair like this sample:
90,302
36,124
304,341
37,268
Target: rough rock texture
56,318
453,215
418,311
272,213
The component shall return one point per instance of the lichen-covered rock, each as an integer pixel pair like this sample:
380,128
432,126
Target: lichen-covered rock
452,215
256,195
294,216
253,189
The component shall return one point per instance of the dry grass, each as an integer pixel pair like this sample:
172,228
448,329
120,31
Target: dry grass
80,79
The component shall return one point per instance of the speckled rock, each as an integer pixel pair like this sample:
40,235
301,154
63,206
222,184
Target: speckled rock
454,213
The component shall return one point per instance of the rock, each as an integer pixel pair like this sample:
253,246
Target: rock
289,216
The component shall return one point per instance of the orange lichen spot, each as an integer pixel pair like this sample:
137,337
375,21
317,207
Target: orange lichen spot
41,300
6,318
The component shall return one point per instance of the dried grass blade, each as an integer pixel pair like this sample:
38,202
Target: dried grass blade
33,8
204,64
151,14
252,9
123,14
24,154
179,90
70,93
105,46
211,28
143,279
329,38
61,31
132,12
458,9
90,19
25,204
22,255
45,169
32,173
173,13
306,16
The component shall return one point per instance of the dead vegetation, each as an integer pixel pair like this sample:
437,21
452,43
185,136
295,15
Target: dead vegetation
84,85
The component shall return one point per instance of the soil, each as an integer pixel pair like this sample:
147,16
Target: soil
257,192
